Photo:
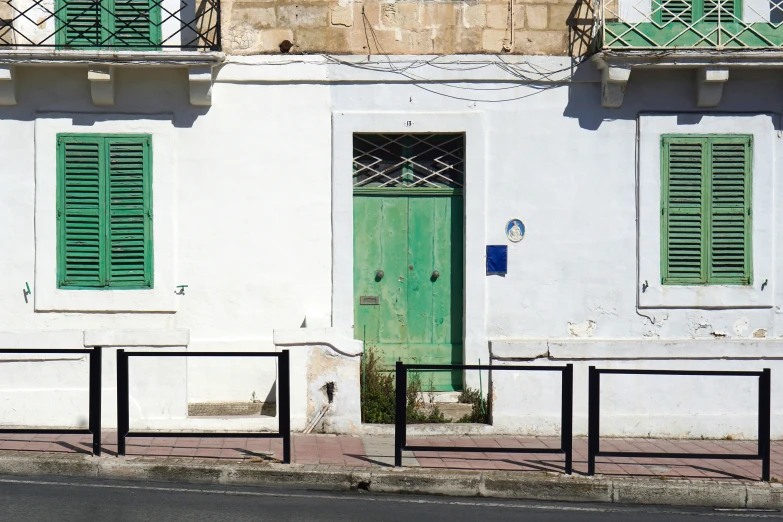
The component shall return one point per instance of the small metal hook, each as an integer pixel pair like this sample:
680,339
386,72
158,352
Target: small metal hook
766,281
645,286
181,290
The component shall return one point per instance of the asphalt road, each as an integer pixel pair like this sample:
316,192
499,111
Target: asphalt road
67,500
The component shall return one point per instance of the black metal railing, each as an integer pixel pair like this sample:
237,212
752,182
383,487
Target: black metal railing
283,403
764,413
143,25
566,409
94,422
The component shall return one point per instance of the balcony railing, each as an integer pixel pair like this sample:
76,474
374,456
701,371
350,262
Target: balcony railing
690,24
141,25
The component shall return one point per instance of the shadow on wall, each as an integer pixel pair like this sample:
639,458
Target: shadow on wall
672,91
153,92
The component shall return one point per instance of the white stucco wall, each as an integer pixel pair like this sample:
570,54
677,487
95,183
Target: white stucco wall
258,219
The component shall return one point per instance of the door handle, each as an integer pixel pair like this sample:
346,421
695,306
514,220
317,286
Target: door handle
379,275
435,275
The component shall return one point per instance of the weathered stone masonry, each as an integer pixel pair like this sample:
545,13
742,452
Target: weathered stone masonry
408,27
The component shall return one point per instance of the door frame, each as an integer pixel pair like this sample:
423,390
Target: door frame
472,124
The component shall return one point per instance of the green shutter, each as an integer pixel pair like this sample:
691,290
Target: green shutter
730,211
129,223
683,216
120,24
706,212
136,24
79,23
104,211
80,188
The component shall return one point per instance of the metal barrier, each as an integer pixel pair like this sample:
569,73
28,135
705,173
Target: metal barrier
94,421
283,406
594,411
566,406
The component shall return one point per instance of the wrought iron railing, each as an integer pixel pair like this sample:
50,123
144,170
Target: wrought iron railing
143,25
690,24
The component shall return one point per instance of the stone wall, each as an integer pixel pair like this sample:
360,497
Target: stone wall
543,27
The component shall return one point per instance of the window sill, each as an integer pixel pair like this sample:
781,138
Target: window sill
707,296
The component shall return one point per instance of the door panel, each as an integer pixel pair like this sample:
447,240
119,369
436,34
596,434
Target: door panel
418,318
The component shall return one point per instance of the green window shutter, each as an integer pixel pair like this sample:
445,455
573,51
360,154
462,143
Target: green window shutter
674,11
120,24
683,223
80,23
129,212
80,221
730,229
136,24
104,211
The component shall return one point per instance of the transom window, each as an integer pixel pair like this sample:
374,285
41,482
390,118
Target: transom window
434,161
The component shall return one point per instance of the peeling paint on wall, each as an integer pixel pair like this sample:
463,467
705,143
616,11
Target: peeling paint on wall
760,333
583,329
741,326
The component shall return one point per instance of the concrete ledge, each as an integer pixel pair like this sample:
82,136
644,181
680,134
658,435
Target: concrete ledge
491,484
136,337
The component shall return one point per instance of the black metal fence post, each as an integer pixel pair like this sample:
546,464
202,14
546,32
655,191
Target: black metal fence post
284,395
567,413
593,415
400,412
765,407
96,367
123,400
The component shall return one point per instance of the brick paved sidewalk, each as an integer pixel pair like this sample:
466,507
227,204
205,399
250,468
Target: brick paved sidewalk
379,451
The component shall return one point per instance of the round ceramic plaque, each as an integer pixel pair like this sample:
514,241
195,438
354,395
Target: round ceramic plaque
515,230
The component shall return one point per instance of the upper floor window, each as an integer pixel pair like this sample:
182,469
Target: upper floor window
706,209
104,211
128,24
697,11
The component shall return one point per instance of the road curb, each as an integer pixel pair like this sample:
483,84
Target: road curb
489,484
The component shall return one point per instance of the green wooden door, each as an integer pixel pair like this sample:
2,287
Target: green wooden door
410,314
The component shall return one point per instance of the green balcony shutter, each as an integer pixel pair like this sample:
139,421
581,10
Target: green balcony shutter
730,211
80,221
129,212
80,23
683,224
136,24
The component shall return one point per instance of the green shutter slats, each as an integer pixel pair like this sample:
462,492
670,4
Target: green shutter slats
123,24
104,211
676,11
132,25
81,23
730,223
685,246
80,213
685,174
706,210
128,213
684,225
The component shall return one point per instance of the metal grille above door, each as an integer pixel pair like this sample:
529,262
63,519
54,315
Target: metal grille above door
433,161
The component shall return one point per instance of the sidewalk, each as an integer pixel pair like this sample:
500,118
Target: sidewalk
349,462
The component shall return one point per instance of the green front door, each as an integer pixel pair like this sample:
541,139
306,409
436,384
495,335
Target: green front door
408,251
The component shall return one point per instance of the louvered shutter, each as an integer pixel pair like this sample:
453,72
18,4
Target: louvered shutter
135,24
80,253
80,23
730,210
129,212
682,211
676,11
